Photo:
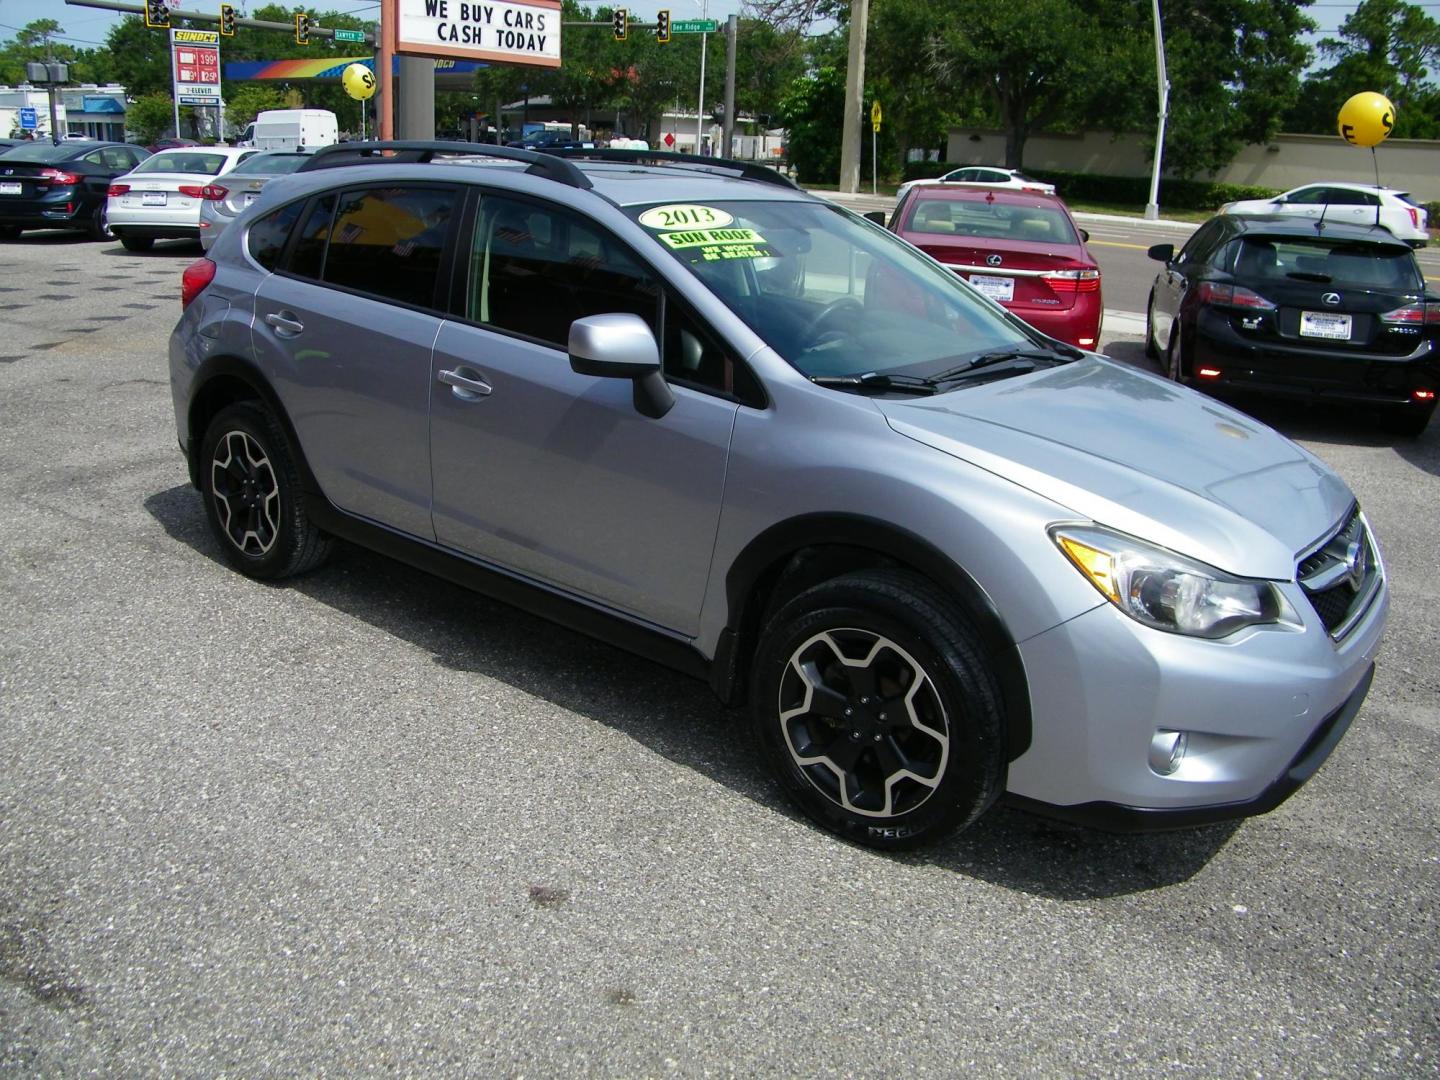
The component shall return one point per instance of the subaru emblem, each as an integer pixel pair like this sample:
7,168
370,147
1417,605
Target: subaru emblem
1331,298
1357,563
992,260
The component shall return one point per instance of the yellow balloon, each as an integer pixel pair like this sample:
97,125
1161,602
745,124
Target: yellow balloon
359,81
1366,119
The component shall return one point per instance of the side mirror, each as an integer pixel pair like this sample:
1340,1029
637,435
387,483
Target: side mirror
1084,236
622,346
877,216
1162,252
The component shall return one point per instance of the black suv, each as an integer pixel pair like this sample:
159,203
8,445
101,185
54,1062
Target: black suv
1299,308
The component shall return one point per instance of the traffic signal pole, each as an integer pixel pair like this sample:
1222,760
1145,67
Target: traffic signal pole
206,17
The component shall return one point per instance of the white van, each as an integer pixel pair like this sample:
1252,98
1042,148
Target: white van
292,129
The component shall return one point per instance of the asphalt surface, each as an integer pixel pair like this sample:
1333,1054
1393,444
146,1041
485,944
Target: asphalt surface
364,823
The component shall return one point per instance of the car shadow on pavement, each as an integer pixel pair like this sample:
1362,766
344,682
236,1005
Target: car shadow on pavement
679,718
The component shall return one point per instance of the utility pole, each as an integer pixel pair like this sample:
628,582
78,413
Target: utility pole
732,33
1152,208
854,97
700,108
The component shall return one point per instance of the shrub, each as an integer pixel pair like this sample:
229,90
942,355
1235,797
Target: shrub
1126,190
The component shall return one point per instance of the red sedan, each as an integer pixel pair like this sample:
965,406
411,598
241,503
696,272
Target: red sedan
1021,249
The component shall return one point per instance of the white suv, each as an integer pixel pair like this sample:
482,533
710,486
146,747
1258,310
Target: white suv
1357,204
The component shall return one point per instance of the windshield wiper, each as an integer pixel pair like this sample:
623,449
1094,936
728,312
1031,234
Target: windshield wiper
1021,359
879,380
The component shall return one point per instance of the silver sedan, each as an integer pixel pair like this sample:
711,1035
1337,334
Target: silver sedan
223,200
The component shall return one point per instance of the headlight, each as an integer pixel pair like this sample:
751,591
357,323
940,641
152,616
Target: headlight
1168,591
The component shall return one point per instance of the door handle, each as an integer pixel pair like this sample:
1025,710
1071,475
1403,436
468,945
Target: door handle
285,322
468,387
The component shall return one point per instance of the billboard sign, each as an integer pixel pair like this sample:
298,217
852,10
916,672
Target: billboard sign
195,64
509,31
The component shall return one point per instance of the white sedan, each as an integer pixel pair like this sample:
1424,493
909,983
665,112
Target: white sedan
161,197
985,176
1354,204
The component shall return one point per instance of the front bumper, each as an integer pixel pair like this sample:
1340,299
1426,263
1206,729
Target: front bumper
1261,710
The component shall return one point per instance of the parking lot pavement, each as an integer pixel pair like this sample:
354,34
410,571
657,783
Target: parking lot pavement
365,823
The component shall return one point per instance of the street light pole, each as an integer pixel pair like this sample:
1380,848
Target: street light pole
1152,208
700,109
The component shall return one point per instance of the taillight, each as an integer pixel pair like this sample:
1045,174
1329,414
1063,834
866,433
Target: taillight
1414,216
192,283
117,189
1424,395
212,192
55,176
1427,314
1076,281
195,191
1212,292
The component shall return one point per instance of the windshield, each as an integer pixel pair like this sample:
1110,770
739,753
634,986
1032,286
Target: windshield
271,164
1259,260
186,161
828,291
996,220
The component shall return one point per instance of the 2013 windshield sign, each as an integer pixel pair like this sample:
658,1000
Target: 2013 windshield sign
513,31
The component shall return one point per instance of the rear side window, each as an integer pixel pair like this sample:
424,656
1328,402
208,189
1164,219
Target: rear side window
388,242
268,235
536,269
307,259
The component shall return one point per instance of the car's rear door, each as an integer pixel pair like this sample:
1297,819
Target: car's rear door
346,329
556,475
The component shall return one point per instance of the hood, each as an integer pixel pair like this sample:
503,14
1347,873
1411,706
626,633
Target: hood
1142,455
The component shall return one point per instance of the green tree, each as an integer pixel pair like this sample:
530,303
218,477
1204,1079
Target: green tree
245,101
38,40
1384,45
147,118
813,113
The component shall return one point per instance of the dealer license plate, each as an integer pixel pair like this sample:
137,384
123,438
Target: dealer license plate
1325,324
997,288
11,189
152,198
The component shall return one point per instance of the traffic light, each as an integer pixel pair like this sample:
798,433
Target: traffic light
302,28
157,15
227,20
662,26
620,23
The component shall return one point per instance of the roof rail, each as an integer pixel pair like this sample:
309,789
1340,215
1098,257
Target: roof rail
407,151
748,170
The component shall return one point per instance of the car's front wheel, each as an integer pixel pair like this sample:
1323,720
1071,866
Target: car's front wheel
1151,349
876,710
253,495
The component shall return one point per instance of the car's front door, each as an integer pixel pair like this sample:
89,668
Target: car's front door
557,475
348,325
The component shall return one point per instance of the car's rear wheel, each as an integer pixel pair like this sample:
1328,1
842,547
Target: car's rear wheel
1174,357
874,706
9,232
1408,421
100,225
253,495
137,243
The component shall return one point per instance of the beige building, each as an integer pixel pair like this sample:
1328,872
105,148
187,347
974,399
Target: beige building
1285,162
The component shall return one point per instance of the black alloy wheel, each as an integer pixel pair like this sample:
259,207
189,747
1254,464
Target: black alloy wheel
875,708
253,496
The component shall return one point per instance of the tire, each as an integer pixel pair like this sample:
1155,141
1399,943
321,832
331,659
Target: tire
1152,351
137,243
100,226
9,232
253,499
875,642
1407,422
1174,360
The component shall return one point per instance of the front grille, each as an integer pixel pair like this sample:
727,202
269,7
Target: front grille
1342,575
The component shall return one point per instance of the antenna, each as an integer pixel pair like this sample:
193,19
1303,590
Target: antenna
1320,225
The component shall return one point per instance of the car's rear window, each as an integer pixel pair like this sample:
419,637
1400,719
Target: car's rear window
1325,261
996,220
271,164
183,161
46,151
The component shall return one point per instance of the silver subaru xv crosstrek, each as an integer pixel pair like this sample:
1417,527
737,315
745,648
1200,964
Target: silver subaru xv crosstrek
684,406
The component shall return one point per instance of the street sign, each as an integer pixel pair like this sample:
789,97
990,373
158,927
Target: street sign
29,119
694,26
349,35
875,116
195,64
669,138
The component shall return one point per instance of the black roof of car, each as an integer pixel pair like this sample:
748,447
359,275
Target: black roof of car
1283,225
